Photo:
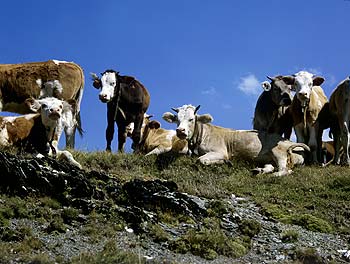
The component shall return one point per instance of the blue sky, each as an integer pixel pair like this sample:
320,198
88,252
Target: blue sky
212,53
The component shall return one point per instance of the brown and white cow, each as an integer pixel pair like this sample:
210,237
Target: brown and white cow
306,105
216,144
156,140
127,101
39,132
270,115
64,80
339,107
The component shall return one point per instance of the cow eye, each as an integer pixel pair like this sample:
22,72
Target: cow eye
191,120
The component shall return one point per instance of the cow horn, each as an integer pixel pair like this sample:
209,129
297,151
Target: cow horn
94,76
270,78
197,108
175,110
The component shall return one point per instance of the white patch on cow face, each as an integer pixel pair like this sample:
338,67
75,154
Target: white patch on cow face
303,86
51,111
108,82
186,120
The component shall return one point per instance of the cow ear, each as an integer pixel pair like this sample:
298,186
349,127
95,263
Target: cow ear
154,124
206,118
317,81
169,117
288,80
97,83
266,86
32,104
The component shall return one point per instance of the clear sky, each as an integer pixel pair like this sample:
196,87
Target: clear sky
212,53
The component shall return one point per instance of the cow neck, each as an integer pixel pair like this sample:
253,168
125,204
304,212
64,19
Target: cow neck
196,138
117,94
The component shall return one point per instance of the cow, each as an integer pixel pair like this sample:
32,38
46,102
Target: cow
270,114
339,107
156,140
38,132
216,145
127,101
61,79
307,102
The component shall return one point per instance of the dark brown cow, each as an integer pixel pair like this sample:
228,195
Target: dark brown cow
127,101
64,80
270,111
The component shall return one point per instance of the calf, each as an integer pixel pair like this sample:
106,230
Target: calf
216,144
306,105
156,140
39,132
270,114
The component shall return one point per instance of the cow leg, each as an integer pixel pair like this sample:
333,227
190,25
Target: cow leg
136,134
110,125
213,158
159,150
121,137
345,141
70,136
268,168
299,132
313,143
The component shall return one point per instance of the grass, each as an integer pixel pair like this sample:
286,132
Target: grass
313,197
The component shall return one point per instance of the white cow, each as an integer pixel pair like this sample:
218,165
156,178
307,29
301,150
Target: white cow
216,144
307,104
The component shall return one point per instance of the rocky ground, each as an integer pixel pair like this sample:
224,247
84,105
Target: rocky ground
138,203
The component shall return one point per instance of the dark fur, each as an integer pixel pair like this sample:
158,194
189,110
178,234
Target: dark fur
134,102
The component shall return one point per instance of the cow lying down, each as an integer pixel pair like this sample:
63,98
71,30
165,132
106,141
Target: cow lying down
156,140
216,144
38,132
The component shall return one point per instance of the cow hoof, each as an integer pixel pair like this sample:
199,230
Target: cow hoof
108,149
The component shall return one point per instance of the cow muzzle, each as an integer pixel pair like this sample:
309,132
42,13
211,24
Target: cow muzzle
103,98
285,101
181,133
54,115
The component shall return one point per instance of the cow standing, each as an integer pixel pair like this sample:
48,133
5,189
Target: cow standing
63,80
339,107
306,105
216,145
270,112
127,101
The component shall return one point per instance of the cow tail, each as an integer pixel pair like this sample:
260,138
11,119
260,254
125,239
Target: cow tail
79,99
79,126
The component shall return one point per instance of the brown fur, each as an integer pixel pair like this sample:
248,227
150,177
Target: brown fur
18,81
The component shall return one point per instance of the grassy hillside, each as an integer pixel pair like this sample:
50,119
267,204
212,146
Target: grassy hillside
314,197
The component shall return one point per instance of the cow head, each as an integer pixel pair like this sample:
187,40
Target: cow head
302,82
54,112
186,119
107,84
280,91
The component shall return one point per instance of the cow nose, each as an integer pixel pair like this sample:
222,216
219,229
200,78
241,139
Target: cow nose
103,96
180,132
303,95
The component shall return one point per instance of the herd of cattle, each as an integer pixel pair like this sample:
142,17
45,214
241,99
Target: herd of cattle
48,95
